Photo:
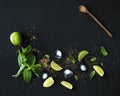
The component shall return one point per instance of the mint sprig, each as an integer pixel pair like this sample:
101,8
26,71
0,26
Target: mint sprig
27,64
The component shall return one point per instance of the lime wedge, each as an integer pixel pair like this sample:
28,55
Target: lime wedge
82,54
55,66
48,82
99,70
67,84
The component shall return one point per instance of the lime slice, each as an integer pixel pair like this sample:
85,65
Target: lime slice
16,38
82,54
67,84
99,70
55,66
48,82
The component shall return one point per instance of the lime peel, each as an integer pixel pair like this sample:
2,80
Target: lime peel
82,54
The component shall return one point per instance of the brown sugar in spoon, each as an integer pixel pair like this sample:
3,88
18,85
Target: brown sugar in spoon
83,9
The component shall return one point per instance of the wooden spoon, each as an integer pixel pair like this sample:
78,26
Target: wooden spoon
83,9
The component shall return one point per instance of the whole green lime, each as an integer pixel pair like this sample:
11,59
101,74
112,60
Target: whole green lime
16,38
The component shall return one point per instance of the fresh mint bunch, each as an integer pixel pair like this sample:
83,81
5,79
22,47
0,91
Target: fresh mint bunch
27,64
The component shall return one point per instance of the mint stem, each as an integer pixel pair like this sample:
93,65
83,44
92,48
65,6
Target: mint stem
19,71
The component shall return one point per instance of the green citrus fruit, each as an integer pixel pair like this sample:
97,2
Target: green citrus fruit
67,84
48,82
82,54
99,70
16,38
55,66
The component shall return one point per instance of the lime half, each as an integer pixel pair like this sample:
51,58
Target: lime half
16,38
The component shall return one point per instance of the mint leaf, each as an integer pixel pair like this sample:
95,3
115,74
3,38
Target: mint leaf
76,77
31,59
27,75
27,49
93,59
36,69
91,75
21,58
104,51
47,56
101,63
45,65
72,59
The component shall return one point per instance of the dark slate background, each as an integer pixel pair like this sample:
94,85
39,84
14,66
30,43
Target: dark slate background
60,24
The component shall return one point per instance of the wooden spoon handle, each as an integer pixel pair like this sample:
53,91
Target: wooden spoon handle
100,24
